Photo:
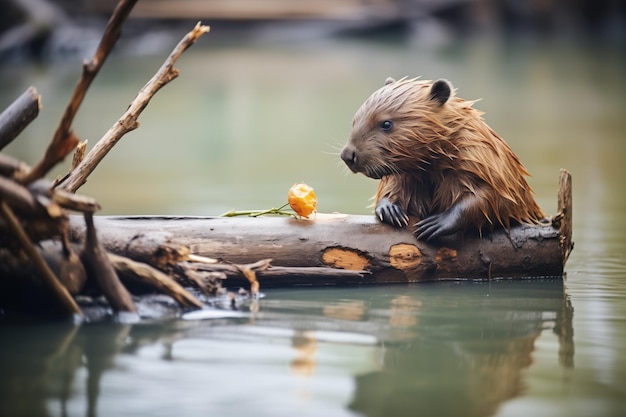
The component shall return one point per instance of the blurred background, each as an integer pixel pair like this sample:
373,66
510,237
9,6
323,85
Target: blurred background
267,97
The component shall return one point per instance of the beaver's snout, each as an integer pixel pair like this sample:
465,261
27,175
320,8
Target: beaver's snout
348,155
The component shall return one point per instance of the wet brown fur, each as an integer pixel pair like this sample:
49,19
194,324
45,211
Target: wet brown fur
436,154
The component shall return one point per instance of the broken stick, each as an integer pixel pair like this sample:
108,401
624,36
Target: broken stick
144,273
64,140
128,121
18,115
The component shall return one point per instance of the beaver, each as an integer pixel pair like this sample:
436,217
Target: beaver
438,162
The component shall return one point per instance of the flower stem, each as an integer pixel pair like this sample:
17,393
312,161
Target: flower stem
256,213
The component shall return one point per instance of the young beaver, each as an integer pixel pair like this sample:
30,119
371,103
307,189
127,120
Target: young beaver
437,161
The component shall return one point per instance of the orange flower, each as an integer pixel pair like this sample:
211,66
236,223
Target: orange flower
302,199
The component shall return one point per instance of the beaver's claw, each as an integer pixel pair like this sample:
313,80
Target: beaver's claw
391,213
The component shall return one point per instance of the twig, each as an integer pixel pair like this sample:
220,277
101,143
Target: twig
59,290
97,265
249,271
74,202
64,140
18,115
146,274
202,259
79,155
128,121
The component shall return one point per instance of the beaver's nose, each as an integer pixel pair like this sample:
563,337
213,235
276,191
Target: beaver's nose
349,156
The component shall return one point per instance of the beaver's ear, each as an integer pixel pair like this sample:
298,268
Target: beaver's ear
440,91
389,80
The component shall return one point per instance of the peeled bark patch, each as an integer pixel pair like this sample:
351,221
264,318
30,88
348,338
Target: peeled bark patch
404,256
345,259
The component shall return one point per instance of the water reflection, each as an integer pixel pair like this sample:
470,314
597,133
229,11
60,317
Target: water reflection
469,354
443,349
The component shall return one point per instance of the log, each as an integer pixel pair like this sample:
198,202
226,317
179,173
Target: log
349,249
337,249
18,115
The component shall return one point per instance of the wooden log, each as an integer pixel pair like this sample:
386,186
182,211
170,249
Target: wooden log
375,252
337,249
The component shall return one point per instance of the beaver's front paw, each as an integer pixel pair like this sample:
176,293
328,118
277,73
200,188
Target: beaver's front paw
391,213
438,225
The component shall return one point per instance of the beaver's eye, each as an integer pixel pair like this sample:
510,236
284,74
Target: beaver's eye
386,125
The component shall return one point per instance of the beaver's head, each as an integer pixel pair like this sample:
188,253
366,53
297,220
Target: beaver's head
395,130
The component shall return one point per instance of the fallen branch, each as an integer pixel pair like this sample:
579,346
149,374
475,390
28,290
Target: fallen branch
34,211
97,265
10,166
563,220
145,274
64,140
18,115
128,121
20,198
48,276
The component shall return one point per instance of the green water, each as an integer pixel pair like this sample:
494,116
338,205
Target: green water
235,131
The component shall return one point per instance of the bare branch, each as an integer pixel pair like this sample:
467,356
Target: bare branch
64,140
128,121
18,115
